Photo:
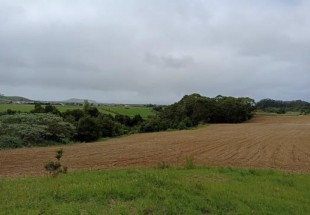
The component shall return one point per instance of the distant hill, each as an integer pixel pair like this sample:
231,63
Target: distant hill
8,99
79,101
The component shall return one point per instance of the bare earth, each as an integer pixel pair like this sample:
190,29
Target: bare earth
281,142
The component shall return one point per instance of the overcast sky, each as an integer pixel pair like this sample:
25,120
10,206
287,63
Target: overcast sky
154,51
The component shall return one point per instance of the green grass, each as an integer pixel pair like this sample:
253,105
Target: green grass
156,191
17,107
129,111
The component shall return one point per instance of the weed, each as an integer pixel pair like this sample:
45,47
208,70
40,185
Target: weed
55,167
162,165
189,162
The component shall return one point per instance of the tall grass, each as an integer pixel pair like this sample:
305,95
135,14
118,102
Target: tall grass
159,191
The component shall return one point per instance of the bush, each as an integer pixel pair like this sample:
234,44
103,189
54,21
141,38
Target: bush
154,124
54,168
10,142
88,129
73,116
108,127
36,129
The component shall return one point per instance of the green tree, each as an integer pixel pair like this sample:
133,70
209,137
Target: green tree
88,129
38,109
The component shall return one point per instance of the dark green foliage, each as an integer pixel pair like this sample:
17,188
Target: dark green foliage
194,109
137,119
154,123
281,107
91,124
92,111
123,119
73,116
157,108
47,109
88,129
108,127
10,142
232,110
38,109
11,112
52,109
54,168
281,111
127,121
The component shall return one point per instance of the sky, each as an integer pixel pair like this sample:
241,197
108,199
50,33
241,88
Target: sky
154,51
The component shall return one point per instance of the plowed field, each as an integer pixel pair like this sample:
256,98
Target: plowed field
281,142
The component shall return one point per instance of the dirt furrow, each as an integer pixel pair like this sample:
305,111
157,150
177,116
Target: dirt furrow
265,141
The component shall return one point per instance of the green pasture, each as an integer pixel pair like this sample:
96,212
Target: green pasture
200,190
16,107
117,109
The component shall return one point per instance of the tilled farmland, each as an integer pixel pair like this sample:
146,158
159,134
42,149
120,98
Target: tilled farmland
281,142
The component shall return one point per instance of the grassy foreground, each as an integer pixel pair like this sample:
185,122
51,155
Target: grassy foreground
159,191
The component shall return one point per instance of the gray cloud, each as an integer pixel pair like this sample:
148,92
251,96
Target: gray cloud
154,51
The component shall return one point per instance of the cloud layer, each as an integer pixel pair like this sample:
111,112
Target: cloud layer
147,51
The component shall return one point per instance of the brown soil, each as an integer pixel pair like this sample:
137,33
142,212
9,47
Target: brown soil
266,141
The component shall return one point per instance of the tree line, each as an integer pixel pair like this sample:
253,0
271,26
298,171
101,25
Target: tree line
47,125
195,109
281,107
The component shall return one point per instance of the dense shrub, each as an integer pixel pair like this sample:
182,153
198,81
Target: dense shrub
10,142
88,129
108,127
92,111
73,116
232,110
38,109
127,121
194,109
36,129
154,123
51,109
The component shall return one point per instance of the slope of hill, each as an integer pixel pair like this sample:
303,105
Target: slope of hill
7,99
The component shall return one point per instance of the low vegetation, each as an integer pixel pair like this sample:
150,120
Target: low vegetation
159,191
54,168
